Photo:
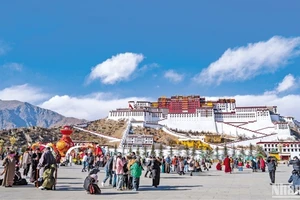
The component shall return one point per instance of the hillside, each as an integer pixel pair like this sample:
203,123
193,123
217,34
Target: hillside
15,114
112,128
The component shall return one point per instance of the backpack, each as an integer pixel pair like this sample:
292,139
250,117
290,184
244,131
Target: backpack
94,189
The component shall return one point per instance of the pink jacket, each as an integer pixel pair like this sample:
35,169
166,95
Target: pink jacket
119,166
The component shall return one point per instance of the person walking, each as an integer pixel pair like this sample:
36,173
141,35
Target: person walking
119,171
108,170
272,168
85,163
155,172
168,163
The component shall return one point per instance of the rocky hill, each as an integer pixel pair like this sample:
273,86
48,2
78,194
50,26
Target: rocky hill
27,136
14,114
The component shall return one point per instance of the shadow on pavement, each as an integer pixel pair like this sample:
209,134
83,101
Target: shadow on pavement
70,189
117,193
67,178
164,187
174,177
61,183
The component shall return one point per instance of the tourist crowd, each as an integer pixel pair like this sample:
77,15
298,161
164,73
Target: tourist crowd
123,172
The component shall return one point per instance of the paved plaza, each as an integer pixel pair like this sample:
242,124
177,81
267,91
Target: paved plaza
204,185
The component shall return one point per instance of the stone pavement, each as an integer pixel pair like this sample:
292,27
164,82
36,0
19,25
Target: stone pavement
206,185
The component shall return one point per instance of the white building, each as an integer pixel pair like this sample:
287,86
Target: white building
286,150
261,123
138,140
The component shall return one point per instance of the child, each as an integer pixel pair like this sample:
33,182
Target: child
136,172
295,179
247,165
240,165
219,166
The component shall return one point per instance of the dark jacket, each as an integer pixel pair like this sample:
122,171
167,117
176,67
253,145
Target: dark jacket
109,164
296,164
47,159
271,165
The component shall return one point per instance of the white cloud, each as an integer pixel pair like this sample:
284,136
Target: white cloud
287,105
24,93
97,105
287,83
149,67
173,76
3,48
116,68
90,107
13,66
243,63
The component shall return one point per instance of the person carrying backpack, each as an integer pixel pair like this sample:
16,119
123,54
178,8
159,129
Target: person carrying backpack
296,163
191,164
91,182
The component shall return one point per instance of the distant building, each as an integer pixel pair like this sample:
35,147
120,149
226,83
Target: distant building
138,140
196,114
286,150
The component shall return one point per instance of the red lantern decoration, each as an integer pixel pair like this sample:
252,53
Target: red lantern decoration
65,142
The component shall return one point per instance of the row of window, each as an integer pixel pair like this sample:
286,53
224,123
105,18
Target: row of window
287,145
246,110
284,150
128,114
190,115
282,126
266,113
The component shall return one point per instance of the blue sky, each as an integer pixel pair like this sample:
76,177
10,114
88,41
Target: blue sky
56,54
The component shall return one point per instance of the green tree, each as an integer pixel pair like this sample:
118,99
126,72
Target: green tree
187,151
233,151
193,153
130,149
217,153
242,152
171,151
153,150
250,150
209,153
202,153
145,151
260,151
161,150
115,148
137,151
225,151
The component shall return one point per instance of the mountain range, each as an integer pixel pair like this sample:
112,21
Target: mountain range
15,114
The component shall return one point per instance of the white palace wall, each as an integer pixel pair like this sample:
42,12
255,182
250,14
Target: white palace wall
191,123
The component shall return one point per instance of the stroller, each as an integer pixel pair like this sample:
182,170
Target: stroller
90,182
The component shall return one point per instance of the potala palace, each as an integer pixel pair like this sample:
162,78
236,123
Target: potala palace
196,114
